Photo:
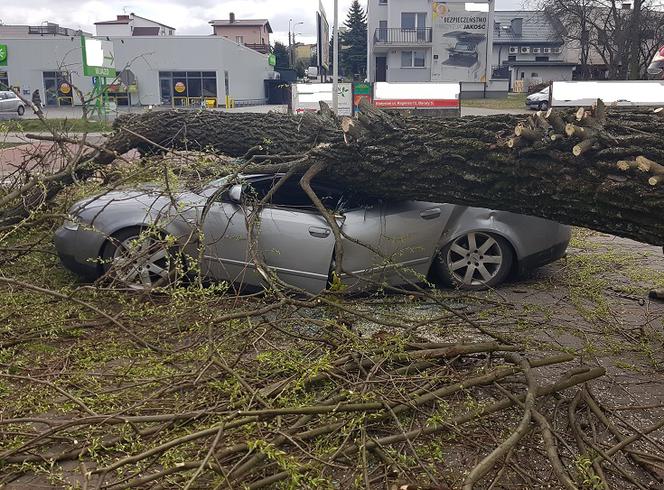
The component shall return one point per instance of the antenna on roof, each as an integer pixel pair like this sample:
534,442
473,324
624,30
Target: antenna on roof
125,8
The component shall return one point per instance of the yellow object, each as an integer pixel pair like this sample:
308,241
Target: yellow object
210,103
230,102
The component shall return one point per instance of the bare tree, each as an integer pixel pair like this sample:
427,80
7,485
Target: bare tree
622,38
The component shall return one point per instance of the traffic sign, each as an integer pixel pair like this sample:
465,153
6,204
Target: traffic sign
98,58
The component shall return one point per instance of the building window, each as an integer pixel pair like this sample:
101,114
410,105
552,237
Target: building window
239,39
413,20
382,2
511,58
57,88
412,59
187,88
4,80
382,30
534,75
541,58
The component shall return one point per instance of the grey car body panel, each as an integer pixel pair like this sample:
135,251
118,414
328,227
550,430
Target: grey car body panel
297,244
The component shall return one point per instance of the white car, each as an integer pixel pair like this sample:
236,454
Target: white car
539,100
9,102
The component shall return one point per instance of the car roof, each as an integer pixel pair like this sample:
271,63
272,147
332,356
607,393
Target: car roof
7,92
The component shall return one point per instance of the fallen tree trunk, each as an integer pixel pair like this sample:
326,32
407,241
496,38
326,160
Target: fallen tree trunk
577,168
512,163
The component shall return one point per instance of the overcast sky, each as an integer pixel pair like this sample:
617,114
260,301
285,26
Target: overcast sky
187,16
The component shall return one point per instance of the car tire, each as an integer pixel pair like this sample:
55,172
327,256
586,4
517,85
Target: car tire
474,261
543,106
20,110
140,259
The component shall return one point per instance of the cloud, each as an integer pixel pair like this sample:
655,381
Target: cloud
187,16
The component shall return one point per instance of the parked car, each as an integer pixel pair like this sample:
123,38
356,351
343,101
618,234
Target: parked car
470,248
538,100
9,102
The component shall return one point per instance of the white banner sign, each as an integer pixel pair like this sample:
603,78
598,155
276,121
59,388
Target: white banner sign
626,93
417,95
307,97
459,42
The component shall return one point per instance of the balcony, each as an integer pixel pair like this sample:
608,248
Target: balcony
261,48
395,36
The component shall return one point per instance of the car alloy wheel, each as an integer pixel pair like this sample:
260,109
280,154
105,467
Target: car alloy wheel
543,106
476,260
139,259
21,110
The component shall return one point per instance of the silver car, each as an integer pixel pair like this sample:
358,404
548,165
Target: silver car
9,102
393,242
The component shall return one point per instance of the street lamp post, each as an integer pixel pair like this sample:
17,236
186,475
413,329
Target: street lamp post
291,41
335,60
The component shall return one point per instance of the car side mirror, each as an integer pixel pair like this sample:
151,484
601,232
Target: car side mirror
235,193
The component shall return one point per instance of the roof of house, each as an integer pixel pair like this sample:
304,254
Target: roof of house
537,27
125,19
243,22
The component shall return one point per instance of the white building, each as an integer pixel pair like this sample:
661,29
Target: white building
132,25
424,40
165,70
528,49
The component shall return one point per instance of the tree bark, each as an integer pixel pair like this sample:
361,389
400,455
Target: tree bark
462,161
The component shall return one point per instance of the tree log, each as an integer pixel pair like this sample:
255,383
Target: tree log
456,160
463,161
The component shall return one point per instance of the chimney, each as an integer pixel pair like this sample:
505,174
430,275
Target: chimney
626,6
517,26
232,17
123,17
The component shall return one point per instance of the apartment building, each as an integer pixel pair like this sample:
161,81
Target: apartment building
421,40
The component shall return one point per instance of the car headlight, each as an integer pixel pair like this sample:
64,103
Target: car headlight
71,225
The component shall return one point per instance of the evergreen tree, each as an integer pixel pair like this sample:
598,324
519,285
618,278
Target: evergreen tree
353,42
281,52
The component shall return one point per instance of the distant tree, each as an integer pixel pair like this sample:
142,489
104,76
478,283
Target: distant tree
624,39
353,42
281,52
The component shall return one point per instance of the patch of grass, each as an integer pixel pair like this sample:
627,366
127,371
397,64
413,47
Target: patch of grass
4,146
512,101
62,125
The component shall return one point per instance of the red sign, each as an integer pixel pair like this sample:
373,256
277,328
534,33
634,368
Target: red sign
415,103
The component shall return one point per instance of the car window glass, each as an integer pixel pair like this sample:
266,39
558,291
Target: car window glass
291,195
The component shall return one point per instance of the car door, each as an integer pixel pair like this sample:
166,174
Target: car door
291,237
4,104
225,245
401,238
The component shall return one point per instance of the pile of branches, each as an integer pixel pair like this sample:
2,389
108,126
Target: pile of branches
359,413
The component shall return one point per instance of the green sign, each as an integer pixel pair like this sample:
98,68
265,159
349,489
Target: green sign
98,58
3,55
361,88
272,60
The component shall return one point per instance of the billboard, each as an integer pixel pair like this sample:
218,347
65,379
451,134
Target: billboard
459,42
98,58
323,40
3,54
625,93
306,97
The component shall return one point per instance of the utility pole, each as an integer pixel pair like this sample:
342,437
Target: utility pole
290,45
335,59
634,69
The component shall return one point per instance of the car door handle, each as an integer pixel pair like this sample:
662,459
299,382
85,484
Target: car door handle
319,232
432,213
